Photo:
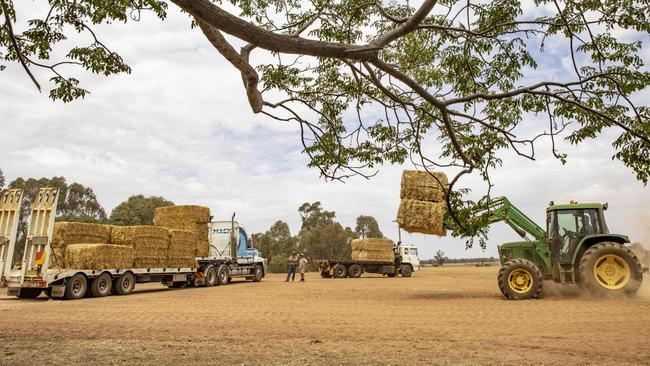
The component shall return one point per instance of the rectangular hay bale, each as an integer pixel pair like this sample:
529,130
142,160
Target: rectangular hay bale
423,186
171,216
422,217
381,244
181,250
202,248
57,257
66,233
99,256
149,242
363,256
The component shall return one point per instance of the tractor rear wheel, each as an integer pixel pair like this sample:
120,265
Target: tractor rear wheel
520,279
610,268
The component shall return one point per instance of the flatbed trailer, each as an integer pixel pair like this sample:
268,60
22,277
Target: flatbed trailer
405,262
75,284
33,276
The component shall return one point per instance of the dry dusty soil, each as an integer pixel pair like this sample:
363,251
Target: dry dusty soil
450,315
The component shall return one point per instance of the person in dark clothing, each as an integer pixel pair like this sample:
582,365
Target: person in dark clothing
292,262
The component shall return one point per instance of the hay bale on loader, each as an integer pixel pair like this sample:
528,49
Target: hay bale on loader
67,233
187,217
422,217
422,207
99,256
150,244
181,251
423,186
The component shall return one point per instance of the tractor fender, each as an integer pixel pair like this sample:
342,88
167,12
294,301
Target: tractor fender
590,240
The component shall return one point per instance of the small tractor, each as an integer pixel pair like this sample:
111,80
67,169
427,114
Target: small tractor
576,247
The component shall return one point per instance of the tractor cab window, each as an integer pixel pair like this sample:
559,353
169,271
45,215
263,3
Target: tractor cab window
588,224
551,226
570,227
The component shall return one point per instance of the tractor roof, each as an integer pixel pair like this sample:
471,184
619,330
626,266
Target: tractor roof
575,206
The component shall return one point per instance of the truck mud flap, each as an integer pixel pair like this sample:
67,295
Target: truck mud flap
13,291
58,291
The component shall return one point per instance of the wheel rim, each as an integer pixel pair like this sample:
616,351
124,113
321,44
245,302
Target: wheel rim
612,272
126,283
223,276
103,285
77,287
520,280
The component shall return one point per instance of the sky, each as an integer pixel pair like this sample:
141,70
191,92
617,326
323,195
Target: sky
179,126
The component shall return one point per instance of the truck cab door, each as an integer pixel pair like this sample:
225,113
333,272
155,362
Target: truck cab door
410,255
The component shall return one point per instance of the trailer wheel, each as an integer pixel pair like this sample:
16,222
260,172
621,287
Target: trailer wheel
223,275
339,271
355,271
76,287
391,274
406,270
259,273
29,293
124,284
211,277
101,285
325,274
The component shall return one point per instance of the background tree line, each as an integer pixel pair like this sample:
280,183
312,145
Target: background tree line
320,235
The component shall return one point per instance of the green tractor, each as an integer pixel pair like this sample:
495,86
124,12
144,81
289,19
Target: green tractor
577,247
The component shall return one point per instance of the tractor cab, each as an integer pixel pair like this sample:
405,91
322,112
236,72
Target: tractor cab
567,227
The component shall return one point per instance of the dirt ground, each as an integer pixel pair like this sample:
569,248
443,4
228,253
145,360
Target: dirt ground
448,315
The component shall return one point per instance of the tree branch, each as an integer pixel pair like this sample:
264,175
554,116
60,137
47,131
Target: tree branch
249,74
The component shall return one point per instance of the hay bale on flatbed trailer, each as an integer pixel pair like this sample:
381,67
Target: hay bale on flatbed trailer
99,256
67,233
150,244
181,251
187,217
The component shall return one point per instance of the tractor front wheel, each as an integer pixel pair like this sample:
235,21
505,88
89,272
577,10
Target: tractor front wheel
520,279
610,268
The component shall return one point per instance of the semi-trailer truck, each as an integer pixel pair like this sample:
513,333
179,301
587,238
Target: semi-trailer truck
231,256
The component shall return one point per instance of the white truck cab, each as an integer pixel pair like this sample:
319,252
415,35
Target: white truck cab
409,254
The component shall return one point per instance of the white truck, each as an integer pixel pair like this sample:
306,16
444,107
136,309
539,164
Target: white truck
231,256
405,261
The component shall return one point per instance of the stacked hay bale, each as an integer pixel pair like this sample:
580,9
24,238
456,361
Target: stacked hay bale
422,207
99,256
150,244
182,248
188,217
69,233
372,249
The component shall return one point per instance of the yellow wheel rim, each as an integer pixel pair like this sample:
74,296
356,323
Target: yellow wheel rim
520,280
612,272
